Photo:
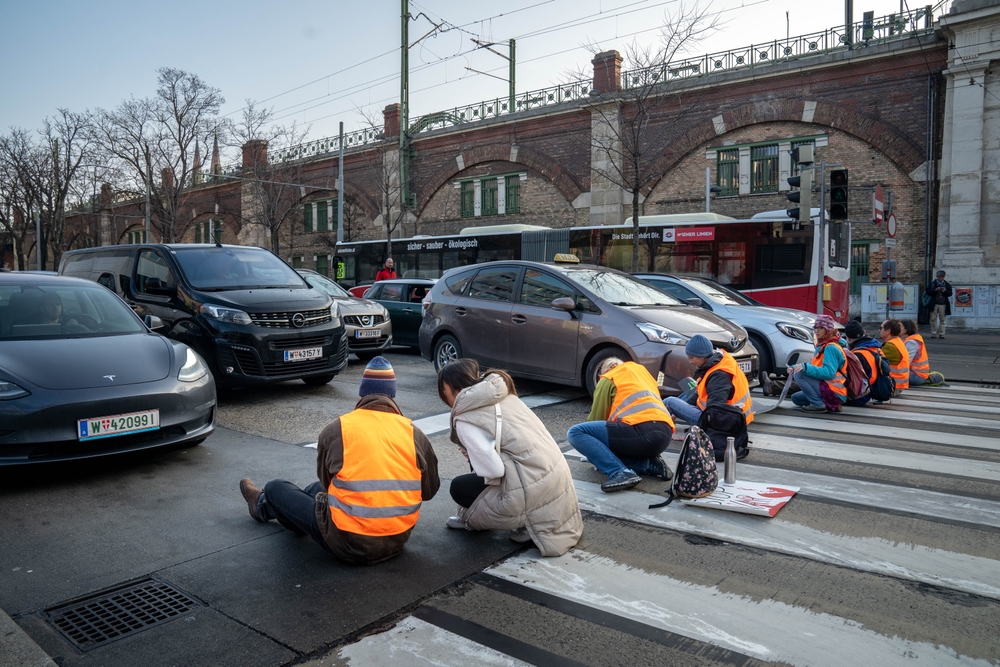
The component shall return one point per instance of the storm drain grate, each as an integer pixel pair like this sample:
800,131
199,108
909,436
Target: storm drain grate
111,615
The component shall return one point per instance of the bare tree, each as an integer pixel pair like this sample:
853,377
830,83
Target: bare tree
151,141
634,122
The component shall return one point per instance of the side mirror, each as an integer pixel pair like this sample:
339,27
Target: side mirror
153,323
694,301
157,287
564,303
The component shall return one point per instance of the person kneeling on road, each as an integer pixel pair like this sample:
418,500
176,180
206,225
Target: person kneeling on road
375,469
823,381
719,382
520,480
628,427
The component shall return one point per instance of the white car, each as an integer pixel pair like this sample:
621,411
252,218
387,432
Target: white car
782,336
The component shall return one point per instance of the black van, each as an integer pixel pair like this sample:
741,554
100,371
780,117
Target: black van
246,312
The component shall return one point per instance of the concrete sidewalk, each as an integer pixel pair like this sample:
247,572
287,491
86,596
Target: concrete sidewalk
17,649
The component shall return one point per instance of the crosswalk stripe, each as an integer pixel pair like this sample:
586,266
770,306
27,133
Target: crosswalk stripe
765,629
878,430
958,389
946,405
963,572
879,412
441,423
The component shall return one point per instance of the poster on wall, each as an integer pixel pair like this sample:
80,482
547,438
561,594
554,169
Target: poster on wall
963,297
982,300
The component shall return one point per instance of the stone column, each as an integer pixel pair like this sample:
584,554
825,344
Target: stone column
606,195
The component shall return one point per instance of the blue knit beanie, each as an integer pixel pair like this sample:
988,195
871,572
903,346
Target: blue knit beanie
378,378
699,346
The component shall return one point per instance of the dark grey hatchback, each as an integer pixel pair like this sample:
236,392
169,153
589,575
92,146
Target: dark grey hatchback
82,376
557,322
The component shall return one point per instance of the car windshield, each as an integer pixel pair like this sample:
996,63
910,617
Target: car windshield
220,269
36,311
327,285
620,289
720,293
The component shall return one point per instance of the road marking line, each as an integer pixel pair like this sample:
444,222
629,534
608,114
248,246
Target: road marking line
945,405
737,622
959,389
879,412
441,423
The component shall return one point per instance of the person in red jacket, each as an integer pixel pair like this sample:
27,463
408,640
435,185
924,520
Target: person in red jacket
387,273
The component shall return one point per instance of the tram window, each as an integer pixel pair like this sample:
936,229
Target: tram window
457,282
541,289
493,284
787,259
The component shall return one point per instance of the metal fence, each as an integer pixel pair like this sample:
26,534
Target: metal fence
326,145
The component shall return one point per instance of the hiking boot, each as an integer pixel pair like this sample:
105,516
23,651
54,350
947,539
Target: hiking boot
657,467
458,521
621,480
813,408
251,493
520,535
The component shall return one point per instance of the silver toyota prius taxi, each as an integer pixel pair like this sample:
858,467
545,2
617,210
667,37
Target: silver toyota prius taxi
82,376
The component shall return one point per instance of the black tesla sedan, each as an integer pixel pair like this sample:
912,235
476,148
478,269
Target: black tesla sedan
82,376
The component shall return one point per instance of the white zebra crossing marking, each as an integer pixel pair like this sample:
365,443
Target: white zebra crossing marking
882,413
764,629
945,405
441,423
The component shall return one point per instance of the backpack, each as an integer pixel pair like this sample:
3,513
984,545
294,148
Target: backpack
697,475
720,421
857,379
884,386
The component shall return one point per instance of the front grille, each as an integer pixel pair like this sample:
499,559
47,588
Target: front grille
111,615
78,448
364,320
284,320
296,343
296,367
725,344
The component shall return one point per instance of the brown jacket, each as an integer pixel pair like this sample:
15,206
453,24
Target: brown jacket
351,547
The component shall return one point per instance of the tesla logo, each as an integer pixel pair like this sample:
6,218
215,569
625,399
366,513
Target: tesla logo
298,319
110,377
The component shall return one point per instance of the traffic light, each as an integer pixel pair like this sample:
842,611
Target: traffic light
802,197
838,194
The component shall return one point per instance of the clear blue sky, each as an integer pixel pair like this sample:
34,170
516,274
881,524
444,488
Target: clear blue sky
95,53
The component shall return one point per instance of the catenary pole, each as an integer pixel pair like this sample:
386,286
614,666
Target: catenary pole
38,240
821,237
340,187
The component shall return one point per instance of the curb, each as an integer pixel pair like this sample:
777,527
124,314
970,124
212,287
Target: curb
17,649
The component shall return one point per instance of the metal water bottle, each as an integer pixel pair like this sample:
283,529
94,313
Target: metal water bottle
730,463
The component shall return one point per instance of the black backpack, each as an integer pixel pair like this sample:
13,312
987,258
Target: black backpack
719,422
884,386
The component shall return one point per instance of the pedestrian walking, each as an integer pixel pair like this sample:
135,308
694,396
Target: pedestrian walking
719,382
375,469
939,292
386,272
823,381
920,363
628,426
894,350
520,480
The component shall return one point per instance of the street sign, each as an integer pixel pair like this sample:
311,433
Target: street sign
890,243
890,226
879,207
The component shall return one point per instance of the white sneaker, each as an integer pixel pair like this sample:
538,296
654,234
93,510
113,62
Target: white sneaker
458,521
520,535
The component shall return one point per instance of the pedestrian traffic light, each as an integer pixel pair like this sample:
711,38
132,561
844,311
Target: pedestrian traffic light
802,197
838,194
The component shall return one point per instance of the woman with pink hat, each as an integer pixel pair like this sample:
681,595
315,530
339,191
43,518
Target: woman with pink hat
823,381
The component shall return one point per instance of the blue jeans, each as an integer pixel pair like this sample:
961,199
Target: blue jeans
682,410
916,380
294,508
810,391
593,441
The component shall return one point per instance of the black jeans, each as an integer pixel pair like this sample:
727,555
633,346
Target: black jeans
292,507
639,442
466,488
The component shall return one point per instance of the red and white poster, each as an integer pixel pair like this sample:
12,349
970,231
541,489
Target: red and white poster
694,234
747,498
963,297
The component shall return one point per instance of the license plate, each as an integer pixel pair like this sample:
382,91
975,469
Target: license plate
108,427
304,354
367,333
746,366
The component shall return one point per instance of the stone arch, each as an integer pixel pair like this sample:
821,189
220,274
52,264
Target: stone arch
894,144
543,164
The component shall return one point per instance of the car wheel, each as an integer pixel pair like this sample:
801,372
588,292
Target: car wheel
590,375
764,353
446,350
318,380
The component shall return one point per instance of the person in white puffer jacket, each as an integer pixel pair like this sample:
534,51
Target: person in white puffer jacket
520,480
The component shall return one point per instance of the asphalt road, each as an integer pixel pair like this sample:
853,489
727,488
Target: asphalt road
888,553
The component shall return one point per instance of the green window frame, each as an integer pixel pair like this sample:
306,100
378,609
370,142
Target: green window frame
307,218
323,265
490,190
136,236
296,261
860,265
322,217
512,193
764,168
468,197
727,171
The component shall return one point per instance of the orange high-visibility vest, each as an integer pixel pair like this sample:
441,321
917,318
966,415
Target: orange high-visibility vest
378,490
838,384
637,398
900,372
741,393
921,366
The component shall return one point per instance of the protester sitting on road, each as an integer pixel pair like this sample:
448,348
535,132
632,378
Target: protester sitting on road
520,480
823,381
894,350
628,426
920,364
728,386
375,469
868,351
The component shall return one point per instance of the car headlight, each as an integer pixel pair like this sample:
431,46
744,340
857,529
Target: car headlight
658,334
795,331
10,391
193,369
229,315
335,314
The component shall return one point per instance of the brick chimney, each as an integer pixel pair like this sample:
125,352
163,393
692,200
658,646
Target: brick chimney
167,179
390,127
106,195
254,153
607,72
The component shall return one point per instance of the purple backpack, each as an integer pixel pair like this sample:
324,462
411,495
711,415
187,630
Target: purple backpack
697,475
